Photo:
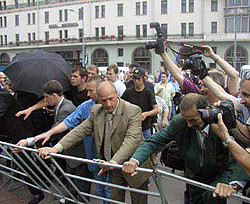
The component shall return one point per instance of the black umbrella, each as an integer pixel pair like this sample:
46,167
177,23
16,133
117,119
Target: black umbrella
29,71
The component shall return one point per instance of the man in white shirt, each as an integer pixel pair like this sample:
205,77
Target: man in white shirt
112,76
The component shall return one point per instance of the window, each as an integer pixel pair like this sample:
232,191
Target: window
4,5
242,56
5,21
214,5
47,37
120,52
142,57
120,32
100,57
60,35
17,38
138,31
120,64
230,25
213,27
60,15
144,8
183,29
28,19
137,8
33,18
80,14
164,7
46,2
242,24
65,33
16,20
5,39
28,3
191,6
144,31
80,34
33,2
119,9
29,37
97,12
46,16
183,6
16,4
103,11
245,2
97,32
164,27
33,36
191,29
1,22
1,40
1,6
65,14
103,31
245,23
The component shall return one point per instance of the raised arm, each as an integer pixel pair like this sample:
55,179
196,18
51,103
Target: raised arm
232,73
218,91
29,110
172,68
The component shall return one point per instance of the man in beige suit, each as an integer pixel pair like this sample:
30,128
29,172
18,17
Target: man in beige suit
125,135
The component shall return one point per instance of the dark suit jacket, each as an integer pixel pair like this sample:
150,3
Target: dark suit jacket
126,134
65,109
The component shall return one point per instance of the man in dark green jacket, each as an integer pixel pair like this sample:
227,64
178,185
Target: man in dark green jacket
206,158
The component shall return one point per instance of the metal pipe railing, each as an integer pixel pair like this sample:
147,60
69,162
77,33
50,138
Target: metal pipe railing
159,174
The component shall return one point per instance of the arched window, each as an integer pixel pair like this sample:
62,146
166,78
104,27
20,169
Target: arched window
142,57
4,59
242,56
100,57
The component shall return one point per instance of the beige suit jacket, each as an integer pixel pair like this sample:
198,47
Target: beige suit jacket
125,139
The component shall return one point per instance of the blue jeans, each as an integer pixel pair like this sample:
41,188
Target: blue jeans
146,133
103,191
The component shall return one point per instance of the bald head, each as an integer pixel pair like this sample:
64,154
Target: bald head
107,96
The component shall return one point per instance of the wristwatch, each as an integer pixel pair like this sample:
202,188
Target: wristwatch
228,140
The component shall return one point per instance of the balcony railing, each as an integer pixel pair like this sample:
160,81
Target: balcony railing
101,39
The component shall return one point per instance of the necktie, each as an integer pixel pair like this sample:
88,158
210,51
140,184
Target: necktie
107,139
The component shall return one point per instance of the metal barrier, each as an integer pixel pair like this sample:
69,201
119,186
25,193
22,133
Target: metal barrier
27,167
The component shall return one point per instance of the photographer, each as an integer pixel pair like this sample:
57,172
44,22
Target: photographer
242,105
239,153
206,159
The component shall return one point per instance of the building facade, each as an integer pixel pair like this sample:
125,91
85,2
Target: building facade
115,31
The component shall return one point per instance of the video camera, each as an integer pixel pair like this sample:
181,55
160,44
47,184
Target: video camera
158,44
195,64
226,108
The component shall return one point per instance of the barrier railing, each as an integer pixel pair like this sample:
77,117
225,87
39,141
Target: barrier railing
30,169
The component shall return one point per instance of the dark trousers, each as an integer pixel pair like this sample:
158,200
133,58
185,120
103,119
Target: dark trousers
82,171
116,177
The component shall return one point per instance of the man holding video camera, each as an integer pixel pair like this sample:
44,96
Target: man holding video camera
206,158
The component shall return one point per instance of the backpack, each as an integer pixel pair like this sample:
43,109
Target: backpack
171,157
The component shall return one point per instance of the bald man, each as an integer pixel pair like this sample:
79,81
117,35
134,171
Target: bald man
117,127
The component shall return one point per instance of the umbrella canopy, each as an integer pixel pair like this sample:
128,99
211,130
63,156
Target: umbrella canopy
29,71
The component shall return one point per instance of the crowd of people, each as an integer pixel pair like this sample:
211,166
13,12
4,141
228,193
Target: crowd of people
125,122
